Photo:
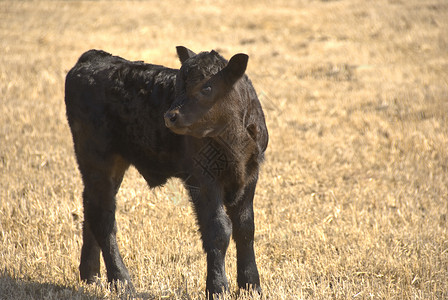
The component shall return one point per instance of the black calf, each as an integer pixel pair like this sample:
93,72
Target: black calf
202,124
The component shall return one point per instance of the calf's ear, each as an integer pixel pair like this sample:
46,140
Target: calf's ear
184,53
235,68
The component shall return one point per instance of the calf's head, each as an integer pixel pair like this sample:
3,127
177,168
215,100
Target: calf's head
205,92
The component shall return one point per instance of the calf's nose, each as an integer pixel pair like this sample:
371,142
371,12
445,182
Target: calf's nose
170,118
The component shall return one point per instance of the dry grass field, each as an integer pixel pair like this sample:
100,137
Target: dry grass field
353,198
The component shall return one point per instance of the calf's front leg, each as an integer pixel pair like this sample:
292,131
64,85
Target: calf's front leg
216,229
242,216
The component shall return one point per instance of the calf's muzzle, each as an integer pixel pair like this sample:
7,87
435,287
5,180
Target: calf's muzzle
171,117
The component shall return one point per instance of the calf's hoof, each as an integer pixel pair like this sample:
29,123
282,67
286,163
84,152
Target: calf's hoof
254,289
124,287
216,291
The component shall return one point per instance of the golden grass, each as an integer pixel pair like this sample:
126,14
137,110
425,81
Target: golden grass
353,197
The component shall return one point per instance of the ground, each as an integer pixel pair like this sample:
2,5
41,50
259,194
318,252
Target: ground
353,197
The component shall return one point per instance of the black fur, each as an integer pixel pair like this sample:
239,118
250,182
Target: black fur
202,124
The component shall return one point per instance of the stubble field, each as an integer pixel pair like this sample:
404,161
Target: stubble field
352,202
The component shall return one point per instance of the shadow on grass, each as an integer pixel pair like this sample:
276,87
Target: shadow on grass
14,288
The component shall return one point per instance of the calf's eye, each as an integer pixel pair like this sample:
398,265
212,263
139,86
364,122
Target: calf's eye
206,90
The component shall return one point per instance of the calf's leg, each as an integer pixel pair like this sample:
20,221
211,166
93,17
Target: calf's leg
242,216
102,178
216,228
89,267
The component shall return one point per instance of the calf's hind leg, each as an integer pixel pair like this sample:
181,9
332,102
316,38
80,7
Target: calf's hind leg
102,178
